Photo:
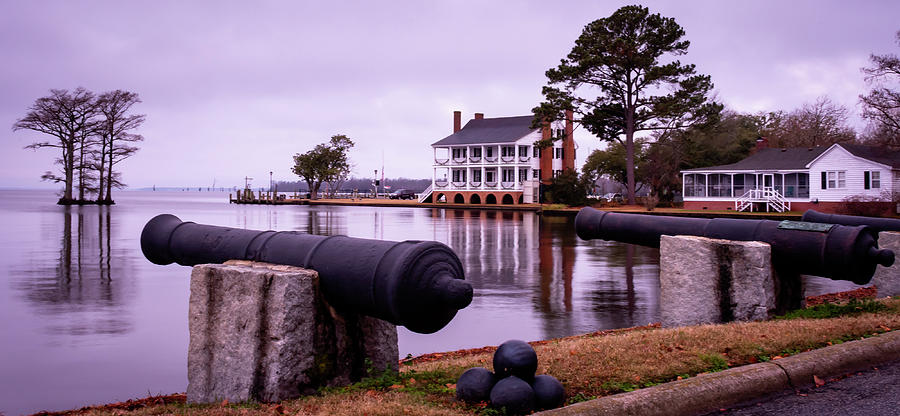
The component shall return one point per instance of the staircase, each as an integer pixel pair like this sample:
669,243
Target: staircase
773,200
426,194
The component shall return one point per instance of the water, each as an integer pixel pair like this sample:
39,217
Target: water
85,319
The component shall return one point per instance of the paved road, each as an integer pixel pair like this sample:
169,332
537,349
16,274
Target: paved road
871,393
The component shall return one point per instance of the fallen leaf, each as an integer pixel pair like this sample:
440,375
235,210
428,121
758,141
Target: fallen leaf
777,357
396,386
225,402
819,382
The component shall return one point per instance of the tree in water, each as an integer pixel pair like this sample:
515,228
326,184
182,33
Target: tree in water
115,138
617,85
326,163
69,118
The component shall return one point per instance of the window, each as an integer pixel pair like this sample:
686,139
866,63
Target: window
796,185
872,179
509,175
556,173
537,152
835,179
459,175
720,185
523,174
695,185
558,153
743,183
459,153
476,152
523,151
489,176
536,174
489,151
476,176
507,151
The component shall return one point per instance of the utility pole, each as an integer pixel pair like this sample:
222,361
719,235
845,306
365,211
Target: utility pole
247,182
270,181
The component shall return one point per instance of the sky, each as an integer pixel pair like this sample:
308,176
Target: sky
234,88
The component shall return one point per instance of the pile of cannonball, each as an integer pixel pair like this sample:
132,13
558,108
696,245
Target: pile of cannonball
513,385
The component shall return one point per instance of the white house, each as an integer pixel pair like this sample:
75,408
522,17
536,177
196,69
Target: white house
795,179
495,161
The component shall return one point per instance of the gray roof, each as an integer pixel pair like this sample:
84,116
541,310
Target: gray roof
772,159
490,130
876,154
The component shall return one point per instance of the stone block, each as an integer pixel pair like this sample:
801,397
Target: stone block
263,332
887,279
704,280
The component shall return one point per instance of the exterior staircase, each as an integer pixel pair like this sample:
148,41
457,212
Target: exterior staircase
426,194
773,200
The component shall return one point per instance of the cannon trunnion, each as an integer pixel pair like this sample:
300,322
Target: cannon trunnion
417,284
833,251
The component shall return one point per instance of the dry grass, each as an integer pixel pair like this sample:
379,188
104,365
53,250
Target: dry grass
588,366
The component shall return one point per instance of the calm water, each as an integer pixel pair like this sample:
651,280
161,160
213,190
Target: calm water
85,319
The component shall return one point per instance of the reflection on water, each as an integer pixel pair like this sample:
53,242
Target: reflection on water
80,285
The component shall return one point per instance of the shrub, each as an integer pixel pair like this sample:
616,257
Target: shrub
870,206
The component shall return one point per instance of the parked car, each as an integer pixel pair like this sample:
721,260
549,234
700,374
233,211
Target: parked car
402,194
612,197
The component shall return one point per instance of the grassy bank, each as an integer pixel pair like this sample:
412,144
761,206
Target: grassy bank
589,366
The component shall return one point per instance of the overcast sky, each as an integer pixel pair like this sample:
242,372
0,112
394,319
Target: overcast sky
234,89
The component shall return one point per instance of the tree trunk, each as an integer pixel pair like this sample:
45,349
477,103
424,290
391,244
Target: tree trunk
629,154
109,173
69,168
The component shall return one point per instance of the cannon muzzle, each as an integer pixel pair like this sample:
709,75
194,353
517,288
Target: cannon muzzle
417,284
837,252
877,224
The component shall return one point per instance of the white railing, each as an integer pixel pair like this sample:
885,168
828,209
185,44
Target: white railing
767,195
524,158
441,161
459,160
490,159
507,185
475,184
507,159
424,195
474,159
440,184
490,184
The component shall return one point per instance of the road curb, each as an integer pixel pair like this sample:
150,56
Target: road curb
710,392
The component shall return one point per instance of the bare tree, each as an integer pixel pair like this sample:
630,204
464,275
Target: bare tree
820,123
68,117
114,137
882,104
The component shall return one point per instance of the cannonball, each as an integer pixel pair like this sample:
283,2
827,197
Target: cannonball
475,385
514,394
515,358
548,392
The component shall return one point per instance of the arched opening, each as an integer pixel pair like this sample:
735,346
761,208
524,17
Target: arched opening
475,199
459,199
521,199
508,199
490,199
441,198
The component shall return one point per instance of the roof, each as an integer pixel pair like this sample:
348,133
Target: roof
876,154
490,130
771,159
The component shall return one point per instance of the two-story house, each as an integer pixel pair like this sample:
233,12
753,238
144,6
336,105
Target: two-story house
495,161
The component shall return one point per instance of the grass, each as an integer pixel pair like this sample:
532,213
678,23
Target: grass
589,365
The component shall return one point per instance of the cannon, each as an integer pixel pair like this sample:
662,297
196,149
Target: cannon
837,252
877,224
417,284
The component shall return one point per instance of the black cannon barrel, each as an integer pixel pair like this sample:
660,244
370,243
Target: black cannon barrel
878,224
833,251
417,284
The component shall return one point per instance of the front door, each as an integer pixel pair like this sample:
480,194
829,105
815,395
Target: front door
768,180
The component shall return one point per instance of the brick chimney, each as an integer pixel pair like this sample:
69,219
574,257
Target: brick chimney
761,143
479,116
457,121
546,161
569,143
